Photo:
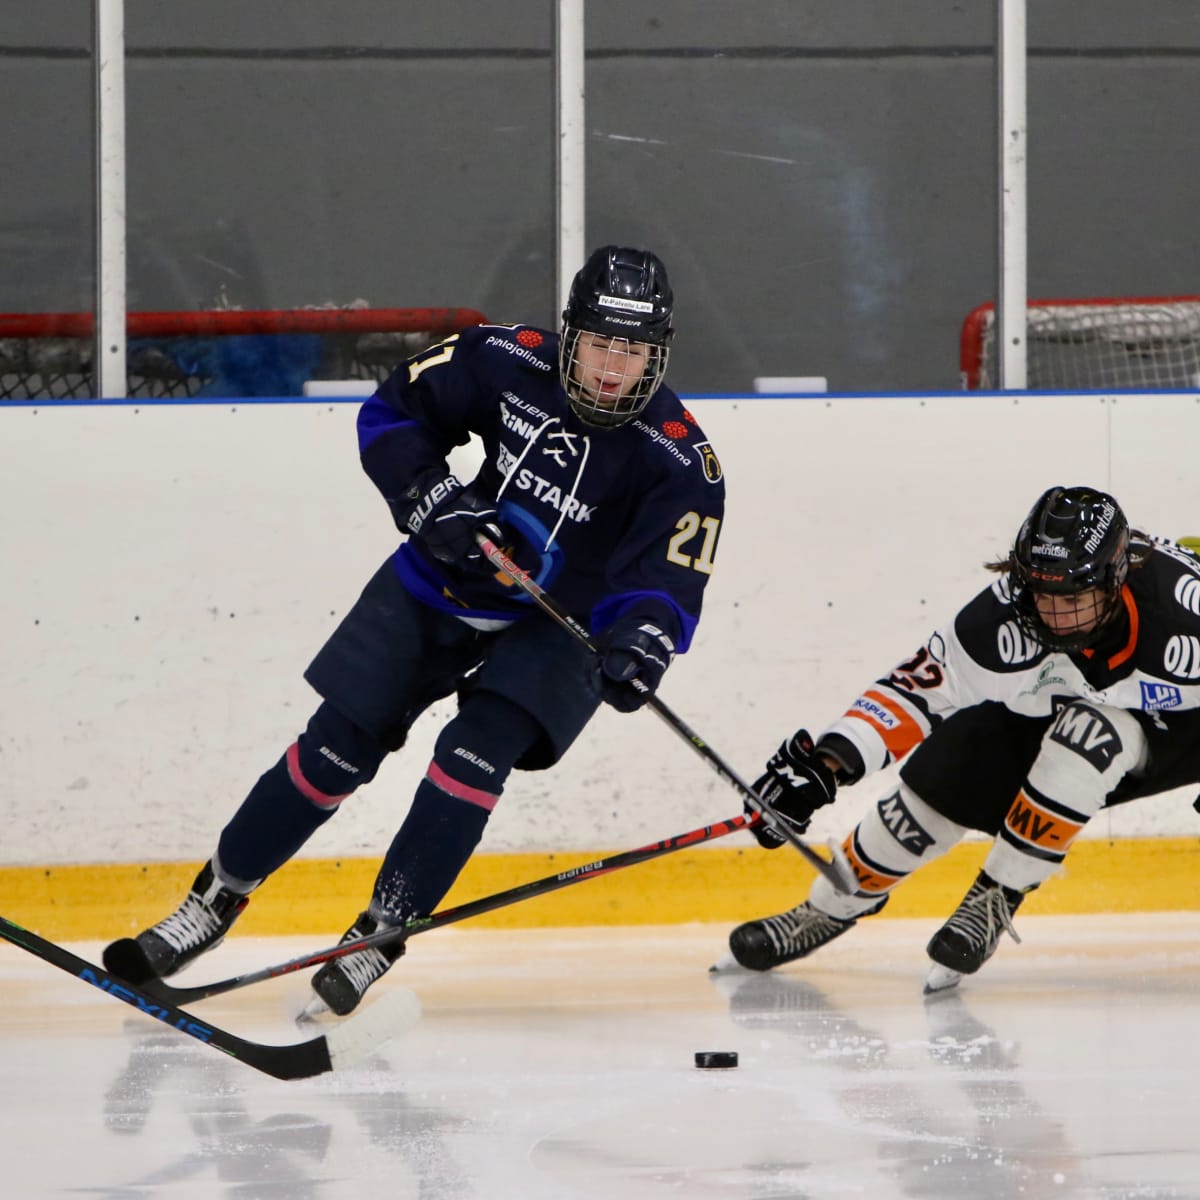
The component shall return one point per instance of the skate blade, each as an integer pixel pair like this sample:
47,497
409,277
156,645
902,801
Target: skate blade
314,1011
727,964
941,979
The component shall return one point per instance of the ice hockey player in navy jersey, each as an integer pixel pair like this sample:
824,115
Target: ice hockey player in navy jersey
1070,684
600,484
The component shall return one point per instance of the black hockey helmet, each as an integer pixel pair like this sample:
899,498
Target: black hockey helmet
1073,539
621,294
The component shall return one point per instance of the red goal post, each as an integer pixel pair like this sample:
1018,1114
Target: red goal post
225,352
1133,342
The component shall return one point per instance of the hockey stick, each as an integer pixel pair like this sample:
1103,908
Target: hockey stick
349,1042
838,872
161,990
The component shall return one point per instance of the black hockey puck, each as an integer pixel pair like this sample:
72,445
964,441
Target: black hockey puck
716,1058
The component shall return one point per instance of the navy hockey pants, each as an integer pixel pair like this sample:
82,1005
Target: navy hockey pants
392,657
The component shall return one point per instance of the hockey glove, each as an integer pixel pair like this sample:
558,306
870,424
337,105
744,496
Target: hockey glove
795,784
634,655
445,517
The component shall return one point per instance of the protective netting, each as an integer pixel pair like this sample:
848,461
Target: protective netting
220,353
1083,344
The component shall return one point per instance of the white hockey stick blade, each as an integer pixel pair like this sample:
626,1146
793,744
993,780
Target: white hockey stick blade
353,1040
940,979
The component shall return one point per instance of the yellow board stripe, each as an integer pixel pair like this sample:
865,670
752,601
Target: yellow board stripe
322,896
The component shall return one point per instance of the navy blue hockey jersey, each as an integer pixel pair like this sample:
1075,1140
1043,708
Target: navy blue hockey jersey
608,521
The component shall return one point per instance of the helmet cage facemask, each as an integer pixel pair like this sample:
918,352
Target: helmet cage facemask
608,412
1105,612
1037,571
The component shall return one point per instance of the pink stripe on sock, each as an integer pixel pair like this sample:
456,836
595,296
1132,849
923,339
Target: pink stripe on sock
460,791
306,789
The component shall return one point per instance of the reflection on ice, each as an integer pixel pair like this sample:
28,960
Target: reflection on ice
553,1064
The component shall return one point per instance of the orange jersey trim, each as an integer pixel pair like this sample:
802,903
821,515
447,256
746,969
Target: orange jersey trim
900,740
1130,646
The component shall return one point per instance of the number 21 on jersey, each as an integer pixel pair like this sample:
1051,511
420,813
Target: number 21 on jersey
694,542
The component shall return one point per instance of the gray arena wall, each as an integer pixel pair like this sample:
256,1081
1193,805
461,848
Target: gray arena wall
819,177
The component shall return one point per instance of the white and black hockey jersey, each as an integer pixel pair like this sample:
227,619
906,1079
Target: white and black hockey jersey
1149,661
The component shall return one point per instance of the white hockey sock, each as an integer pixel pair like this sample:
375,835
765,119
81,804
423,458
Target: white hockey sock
898,835
241,886
1086,752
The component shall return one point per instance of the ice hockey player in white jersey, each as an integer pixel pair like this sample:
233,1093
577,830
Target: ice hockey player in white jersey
1070,684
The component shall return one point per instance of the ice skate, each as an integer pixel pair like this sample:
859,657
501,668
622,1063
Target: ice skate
970,937
198,924
340,985
773,941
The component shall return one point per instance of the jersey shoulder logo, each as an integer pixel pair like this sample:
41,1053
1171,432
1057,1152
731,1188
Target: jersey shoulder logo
1015,646
1045,678
1187,592
1182,656
988,631
709,463
1158,696
659,438
520,346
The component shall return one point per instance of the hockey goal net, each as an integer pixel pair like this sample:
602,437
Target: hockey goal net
219,353
1138,342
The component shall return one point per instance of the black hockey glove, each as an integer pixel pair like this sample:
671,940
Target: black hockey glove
445,517
634,655
795,784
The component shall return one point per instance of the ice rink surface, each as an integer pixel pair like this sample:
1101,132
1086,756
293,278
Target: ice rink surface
552,1064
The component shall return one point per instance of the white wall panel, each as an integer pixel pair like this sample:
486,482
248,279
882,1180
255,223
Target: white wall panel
169,571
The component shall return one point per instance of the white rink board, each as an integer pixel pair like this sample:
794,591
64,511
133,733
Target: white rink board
170,570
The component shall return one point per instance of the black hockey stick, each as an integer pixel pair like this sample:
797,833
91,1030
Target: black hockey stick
838,872
162,990
344,1045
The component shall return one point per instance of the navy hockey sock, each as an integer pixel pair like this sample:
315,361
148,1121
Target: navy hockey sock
471,761
292,800
427,854
273,822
